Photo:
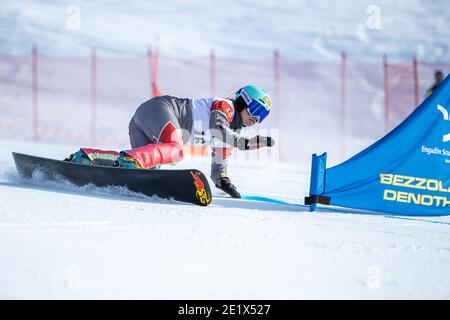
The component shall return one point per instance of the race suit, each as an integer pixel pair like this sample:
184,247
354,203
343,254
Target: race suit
162,125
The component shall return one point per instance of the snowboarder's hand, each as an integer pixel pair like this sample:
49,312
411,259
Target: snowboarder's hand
225,184
255,143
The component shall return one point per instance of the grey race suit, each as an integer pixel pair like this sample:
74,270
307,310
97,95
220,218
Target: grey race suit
195,120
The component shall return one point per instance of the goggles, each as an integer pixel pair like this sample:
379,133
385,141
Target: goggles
257,110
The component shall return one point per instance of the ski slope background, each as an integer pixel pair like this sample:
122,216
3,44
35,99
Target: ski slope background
62,241
305,29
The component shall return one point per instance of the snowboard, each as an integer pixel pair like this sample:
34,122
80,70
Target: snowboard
188,185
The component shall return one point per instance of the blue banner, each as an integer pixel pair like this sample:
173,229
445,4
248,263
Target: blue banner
407,172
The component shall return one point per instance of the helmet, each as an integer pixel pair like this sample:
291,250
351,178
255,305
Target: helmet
255,100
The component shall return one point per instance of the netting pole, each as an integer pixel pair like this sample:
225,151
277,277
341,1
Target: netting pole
93,95
343,101
276,77
416,81
212,72
34,89
386,92
276,80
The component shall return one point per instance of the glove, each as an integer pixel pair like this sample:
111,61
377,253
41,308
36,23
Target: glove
255,143
126,161
225,184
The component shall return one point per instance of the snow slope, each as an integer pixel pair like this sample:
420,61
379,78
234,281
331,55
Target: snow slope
62,241
306,29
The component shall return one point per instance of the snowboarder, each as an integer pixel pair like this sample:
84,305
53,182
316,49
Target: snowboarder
161,126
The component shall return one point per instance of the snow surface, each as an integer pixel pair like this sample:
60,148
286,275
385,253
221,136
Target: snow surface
62,241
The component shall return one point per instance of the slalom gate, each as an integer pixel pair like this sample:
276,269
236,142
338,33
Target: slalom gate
407,172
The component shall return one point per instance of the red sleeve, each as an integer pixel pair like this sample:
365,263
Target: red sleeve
225,107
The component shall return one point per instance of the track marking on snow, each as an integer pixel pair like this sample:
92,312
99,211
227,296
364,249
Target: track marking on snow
268,203
418,220
244,203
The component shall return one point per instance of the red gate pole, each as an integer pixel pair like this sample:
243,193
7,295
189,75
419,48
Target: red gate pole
93,95
343,101
386,92
416,81
212,72
34,72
